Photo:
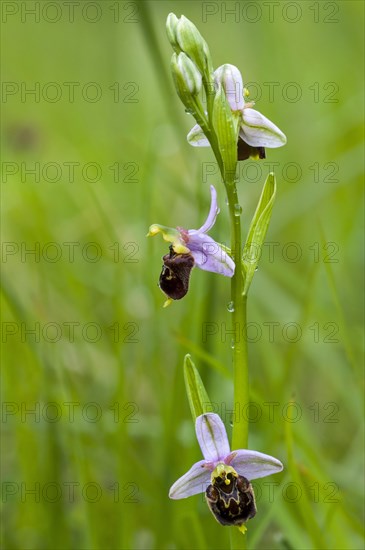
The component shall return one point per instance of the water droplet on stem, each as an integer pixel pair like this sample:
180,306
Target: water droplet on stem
237,209
230,307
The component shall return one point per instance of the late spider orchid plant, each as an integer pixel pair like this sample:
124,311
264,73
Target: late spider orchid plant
224,475
189,248
234,131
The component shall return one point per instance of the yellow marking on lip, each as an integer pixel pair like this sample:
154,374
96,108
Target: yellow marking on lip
242,528
180,248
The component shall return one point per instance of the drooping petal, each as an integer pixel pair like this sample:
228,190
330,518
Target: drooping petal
252,464
212,216
195,481
259,131
230,78
196,137
210,256
212,437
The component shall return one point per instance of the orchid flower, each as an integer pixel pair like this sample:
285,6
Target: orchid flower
224,475
189,248
256,131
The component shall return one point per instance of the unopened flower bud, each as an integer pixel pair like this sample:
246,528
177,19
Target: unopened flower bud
187,78
193,44
171,24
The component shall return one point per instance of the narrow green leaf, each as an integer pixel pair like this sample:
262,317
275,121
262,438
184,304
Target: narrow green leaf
258,229
198,398
226,129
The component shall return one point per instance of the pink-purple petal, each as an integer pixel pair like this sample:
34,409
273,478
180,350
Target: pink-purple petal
210,256
195,481
252,464
212,216
212,437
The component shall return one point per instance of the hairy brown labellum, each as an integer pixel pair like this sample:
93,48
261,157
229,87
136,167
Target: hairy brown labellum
231,503
245,151
175,274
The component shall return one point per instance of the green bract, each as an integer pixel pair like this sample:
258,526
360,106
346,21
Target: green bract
226,126
258,229
198,398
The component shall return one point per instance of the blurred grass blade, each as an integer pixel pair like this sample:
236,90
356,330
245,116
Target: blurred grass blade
258,229
198,398
305,509
198,351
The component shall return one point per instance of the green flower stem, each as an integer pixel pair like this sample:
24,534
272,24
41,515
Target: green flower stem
211,137
239,302
239,314
240,358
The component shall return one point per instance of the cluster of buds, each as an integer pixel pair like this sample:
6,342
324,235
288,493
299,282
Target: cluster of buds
192,68
192,57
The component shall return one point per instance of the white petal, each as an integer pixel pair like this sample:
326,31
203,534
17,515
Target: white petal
196,137
193,482
230,78
252,464
259,131
212,437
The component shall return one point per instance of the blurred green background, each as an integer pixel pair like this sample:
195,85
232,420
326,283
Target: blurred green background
95,420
